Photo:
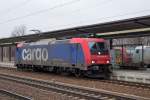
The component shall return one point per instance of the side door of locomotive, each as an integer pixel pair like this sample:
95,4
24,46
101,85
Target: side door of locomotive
74,54
77,55
18,56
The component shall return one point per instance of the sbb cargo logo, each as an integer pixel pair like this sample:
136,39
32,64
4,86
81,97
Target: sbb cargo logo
40,54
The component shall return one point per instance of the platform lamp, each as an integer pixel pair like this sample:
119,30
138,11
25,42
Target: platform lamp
36,31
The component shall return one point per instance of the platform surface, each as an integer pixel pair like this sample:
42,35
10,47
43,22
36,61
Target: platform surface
7,64
141,76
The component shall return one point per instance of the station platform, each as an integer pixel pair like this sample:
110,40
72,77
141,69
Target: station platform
140,76
7,64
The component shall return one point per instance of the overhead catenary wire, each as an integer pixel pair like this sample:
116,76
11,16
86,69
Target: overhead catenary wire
45,10
97,5
123,14
65,4
40,11
103,18
15,7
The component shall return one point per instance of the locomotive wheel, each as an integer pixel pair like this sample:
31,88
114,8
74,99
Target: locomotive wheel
58,70
107,76
35,69
78,73
19,68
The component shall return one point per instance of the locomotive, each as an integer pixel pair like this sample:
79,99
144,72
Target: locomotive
141,58
80,56
132,58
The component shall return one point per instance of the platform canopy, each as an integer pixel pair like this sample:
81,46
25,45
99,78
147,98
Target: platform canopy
141,32
122,28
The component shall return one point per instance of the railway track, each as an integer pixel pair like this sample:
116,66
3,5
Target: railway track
14,95
126,83
73,90
119,82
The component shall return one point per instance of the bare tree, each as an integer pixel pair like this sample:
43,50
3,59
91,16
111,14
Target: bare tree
19,31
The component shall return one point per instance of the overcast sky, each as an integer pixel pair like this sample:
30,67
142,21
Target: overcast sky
48,15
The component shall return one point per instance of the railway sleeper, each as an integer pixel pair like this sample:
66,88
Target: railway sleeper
39,84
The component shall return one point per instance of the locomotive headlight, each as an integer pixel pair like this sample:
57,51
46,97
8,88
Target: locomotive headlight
93,62
99,53
107,61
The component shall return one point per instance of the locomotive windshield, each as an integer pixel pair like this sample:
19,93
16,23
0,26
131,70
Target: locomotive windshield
98,48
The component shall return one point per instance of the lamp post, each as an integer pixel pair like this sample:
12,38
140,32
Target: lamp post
36,31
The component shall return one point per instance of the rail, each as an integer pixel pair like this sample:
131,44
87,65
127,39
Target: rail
14,95
73,90
127,83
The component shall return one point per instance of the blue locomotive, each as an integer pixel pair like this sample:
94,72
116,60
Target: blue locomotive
80,56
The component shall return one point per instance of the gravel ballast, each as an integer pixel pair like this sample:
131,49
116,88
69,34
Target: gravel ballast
79,81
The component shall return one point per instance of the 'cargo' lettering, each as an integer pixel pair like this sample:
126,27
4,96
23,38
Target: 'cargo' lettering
40,54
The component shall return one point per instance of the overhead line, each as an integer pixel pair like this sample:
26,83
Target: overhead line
15,7
40,11
102,18
97,5
62,5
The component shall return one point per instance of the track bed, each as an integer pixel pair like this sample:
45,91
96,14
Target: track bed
98,84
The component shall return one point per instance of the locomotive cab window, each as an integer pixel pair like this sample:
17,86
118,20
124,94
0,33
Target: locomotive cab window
98,48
